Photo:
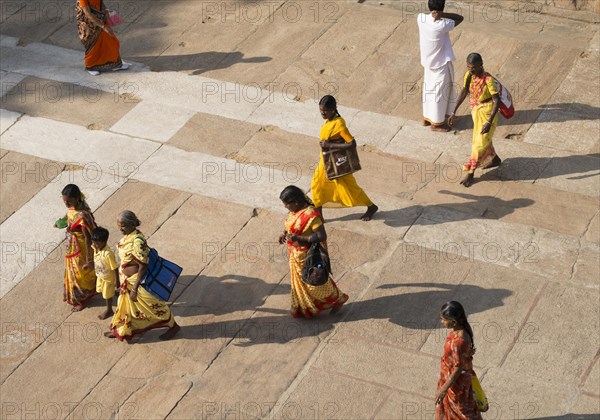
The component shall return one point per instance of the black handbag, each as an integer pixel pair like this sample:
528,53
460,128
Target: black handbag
317,267
340,162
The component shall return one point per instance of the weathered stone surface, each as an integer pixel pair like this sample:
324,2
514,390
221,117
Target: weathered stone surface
345,400
171,389
593,232
110,397
544,202
82,105
533,402
377,364
540,251
592,382
23,176
579,344
401,307
214,135
199,231
586,271
154,121
573,173
406,405
152,204
295,155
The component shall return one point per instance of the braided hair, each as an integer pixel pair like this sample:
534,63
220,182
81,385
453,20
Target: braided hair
329,102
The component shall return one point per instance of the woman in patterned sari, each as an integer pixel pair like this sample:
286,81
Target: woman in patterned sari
80,277
455,398
303,227
137,309
485,103
100,42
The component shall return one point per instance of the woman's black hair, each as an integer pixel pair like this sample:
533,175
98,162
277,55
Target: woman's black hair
454,311
72,191
100,234
329,102
293,194
474,58
437,5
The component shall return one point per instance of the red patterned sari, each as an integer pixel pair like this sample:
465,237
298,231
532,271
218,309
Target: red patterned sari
459,403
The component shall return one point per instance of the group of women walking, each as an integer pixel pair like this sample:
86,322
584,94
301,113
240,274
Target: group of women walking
88,258
88,266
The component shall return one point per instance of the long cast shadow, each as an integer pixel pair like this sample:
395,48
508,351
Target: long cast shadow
416,311
439,214
198,63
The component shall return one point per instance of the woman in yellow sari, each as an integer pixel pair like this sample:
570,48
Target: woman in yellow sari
485,103
344,190
137,309
80,277
304,226
101,44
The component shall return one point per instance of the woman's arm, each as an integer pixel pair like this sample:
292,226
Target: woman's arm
89,262
96,21
319,235
444,389
142,269
488,125
463,94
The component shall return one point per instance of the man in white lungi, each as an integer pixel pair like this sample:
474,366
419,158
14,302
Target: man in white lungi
437,57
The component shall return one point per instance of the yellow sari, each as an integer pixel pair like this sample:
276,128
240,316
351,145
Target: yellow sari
343,191
148,312
481,90
308,300
80,283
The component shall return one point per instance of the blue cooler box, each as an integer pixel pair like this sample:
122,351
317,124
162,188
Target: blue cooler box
161,276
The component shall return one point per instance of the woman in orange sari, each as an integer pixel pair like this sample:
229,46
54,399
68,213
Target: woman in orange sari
80,277
455,398
304,227
100,42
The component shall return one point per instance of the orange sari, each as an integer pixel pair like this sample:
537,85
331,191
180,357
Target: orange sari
101,49
459,403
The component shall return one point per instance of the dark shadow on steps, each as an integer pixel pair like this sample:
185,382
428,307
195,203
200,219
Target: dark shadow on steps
197,63
559,112
416,311
433,214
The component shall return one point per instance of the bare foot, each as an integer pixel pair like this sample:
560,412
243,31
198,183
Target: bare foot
426,123
494,163
170,332
371,210
444,128
467,180
106,314
77,308
109,334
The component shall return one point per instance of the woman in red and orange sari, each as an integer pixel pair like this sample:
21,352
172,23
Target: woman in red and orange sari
80,277
485,102
303,227
455,397
100,42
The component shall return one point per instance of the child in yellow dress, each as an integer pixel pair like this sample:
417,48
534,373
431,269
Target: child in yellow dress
106,267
